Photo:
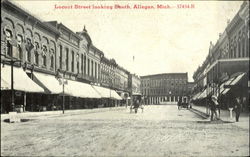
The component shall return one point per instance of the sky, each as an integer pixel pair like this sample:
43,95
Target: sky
161,40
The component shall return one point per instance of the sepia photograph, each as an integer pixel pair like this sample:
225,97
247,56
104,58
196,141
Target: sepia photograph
134,78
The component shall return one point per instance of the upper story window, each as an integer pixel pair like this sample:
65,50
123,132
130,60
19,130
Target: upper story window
36,53
77,62
60,56
44,51
52,58
88,67
84,65
19,48
72,61
82,62
67,59
29,46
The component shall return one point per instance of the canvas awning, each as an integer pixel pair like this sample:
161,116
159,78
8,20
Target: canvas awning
21,80
196,96
79,89
203,94
232,81
107,93
49,83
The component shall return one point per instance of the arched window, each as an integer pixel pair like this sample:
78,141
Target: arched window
72,61
19,42
52,58
29,46
243,46
67,59
239,49
44,60
77,63
52,61
8,34
44,49
36,53
36,57
60,57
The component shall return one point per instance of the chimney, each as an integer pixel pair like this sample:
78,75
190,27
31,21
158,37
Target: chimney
228,21
220,35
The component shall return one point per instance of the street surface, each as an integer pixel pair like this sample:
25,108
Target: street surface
158,131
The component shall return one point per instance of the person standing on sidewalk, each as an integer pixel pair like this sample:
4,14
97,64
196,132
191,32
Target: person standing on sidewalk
214,105
237,108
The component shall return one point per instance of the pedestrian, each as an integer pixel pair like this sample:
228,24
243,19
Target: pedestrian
237,108
214,105
179,104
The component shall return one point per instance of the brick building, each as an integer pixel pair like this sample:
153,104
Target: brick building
225,70
164,88
48,55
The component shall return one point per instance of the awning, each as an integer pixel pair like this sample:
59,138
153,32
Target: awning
196,96
232,81
49,83
107,93
79,89
4,85
21,80
203,94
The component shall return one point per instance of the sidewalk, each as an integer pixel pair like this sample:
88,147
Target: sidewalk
27,115
225,116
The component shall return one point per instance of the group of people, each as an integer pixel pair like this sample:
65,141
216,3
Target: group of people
215,109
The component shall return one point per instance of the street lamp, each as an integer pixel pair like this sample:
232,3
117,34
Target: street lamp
62,82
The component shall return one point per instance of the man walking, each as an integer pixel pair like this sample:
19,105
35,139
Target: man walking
214,107
237,108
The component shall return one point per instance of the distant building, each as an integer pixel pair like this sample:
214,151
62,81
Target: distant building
164,88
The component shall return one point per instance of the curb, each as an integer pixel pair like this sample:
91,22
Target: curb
67,112
199,113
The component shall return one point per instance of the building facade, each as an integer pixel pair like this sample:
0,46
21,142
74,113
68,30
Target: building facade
227,59
164,88
53,52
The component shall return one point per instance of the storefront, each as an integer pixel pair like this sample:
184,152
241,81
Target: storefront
22,85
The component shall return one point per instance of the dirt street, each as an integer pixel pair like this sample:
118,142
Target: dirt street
158,131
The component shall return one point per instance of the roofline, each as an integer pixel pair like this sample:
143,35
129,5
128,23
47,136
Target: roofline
164,74
20,9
